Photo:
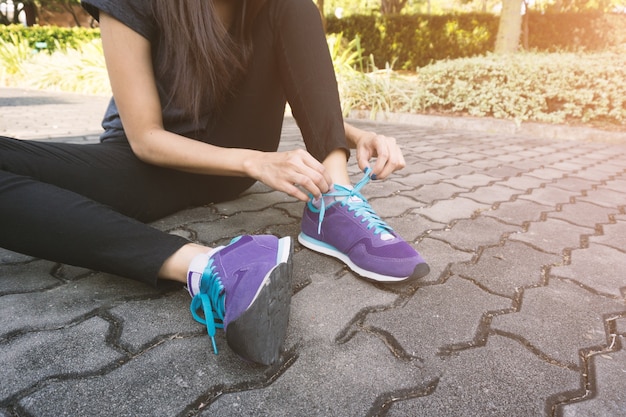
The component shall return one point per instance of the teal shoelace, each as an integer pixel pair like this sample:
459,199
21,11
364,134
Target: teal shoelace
355,201
211,300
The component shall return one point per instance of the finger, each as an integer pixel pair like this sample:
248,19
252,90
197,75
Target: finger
294,191
318,179
363,159
382,159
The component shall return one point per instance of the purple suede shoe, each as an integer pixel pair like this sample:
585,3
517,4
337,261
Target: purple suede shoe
342,224
245,288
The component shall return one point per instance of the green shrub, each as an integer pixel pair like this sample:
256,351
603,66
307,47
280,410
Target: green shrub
49,38
540,87
412,41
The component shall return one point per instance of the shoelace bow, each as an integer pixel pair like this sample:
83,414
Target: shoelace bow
211,299
359,205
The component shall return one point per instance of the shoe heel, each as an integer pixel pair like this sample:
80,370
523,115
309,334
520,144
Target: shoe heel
259,333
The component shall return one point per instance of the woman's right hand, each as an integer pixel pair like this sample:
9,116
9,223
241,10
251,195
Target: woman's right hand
294,172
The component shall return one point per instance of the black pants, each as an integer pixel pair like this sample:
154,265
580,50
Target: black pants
87,205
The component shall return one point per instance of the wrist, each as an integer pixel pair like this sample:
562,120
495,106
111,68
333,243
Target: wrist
249,163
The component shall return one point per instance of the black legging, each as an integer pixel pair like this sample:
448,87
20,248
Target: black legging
85,205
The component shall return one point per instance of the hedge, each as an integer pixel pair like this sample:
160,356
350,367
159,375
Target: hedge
412,41
49,38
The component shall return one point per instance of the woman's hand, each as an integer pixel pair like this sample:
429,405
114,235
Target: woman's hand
370,145
293,172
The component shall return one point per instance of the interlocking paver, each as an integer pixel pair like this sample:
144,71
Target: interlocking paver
599,267
518,212
583,214
497,380
609,370
463,234
605,197
26,360
446,211
541,324
504,269
523,312
613,235
553,235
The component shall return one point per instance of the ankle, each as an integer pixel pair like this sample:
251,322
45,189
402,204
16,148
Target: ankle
176,266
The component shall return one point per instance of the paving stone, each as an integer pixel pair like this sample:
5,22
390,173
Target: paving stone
257,202
583,214
605,197
455,171
613,235
446,211
618,185
468,154
523,182
598,267
440,256
424,178
187,217
386,188
471,181
484,164
518,212
447,317
491,194
497,380
430,193
26,277
402,204
553,235
469,235
222,231
64,304
550,196
609,398
504,269
10,257
508,158
541,324
411,226
547,174
162,381
567,166
574,184
146,322
336,369
501,172
596,174
41,356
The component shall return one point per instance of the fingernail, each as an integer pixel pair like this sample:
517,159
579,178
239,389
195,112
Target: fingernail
373,177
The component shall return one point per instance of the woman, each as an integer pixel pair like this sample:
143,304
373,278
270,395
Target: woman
199,93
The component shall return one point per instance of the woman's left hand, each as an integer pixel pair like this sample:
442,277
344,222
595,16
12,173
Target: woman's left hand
370,145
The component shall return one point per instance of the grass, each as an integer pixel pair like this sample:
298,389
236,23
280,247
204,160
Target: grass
559,88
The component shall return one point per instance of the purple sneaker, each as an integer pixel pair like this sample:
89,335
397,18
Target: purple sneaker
245,288
343,224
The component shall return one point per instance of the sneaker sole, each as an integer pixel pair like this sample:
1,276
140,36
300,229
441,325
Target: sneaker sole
258,333
421,270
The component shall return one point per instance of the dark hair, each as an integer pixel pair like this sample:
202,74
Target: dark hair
203,56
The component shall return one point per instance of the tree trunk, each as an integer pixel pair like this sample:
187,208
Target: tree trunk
525,27
510,27
392,6
30,10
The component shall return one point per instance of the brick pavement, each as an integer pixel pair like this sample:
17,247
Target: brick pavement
523,313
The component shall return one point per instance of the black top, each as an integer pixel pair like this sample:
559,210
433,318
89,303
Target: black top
138,16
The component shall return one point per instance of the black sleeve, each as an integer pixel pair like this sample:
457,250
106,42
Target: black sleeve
136,14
